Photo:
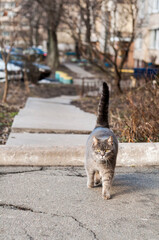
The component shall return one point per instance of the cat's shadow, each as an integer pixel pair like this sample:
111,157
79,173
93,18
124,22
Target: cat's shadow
127,183
124,184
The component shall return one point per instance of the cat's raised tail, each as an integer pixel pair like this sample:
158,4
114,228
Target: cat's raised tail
102,118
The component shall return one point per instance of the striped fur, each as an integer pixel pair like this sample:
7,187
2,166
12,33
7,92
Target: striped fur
102,118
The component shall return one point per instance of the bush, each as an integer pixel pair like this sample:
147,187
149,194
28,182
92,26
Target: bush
139,121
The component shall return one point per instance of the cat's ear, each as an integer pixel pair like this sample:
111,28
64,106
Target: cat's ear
95,141
110,141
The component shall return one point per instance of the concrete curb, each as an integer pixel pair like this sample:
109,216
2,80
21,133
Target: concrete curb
41,156
130,154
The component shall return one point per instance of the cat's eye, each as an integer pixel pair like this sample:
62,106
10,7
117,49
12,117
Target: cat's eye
107,150
97,150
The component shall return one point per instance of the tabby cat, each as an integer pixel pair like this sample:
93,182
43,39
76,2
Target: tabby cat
101,149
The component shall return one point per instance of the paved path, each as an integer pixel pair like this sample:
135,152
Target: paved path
52,123
48,132
54,132
53,115
78,70
85,78
54,204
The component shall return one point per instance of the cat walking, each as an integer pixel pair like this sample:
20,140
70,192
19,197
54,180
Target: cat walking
101,149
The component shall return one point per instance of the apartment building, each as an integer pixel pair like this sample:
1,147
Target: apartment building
8,19
116,29
146,47
13,22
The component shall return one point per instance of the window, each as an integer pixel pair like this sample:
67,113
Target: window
5,34
13,5
153,6
7,5
138,42
11,14
141,8
154,39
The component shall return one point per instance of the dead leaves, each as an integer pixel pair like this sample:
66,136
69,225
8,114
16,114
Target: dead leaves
141,119
7,115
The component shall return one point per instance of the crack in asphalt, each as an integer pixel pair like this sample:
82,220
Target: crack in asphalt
25,171
28,235
18,207
72,171
82,225
75,175
23,208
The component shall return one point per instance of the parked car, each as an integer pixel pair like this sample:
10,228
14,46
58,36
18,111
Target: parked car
13,49
35,71
44,70
26,66
35,53
14,72
17,50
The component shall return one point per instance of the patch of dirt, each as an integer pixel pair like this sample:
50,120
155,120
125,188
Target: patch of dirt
7,115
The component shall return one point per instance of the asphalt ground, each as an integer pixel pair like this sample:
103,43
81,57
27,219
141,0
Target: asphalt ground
54,203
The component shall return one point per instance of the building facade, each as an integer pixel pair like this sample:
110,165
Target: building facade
20,25
146,47
8,22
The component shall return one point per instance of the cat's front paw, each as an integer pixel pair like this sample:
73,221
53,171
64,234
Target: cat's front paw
106,196
90,185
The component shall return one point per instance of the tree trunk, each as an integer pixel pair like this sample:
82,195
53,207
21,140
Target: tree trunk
4,99
118,78
37,35
26,82
53,54
31,34
88,30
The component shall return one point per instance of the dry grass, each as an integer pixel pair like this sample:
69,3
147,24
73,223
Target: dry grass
134,115
139,121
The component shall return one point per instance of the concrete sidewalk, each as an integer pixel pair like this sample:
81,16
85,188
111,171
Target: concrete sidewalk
54,115
85,78
55,204
78,70
52,132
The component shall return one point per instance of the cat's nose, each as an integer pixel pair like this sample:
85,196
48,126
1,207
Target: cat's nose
102,153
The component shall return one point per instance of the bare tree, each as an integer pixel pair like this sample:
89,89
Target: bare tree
4,41
81,16
89,12
5,57
121,36
53,12
31,13
109,32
